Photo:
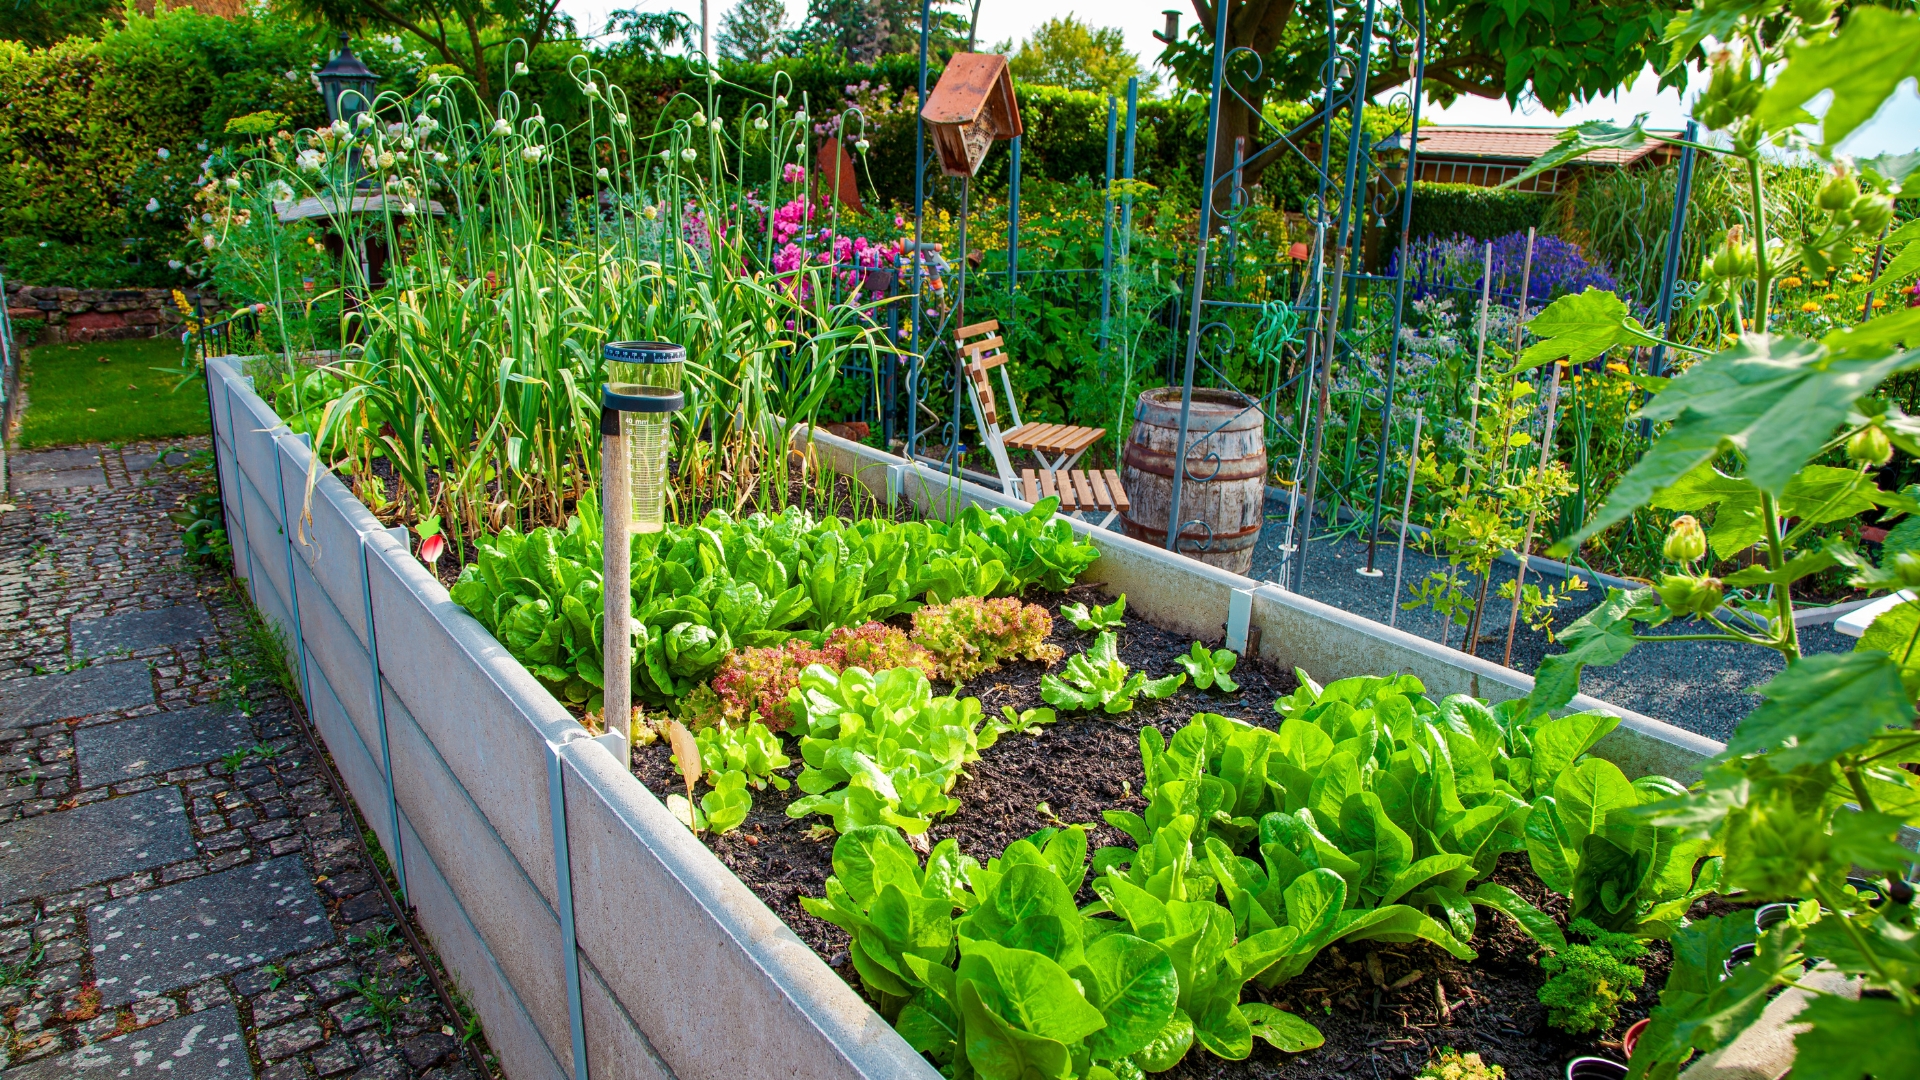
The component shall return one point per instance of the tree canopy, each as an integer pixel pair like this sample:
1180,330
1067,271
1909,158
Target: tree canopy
1068,53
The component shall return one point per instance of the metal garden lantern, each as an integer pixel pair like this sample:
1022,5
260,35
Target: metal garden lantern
636,406
347,85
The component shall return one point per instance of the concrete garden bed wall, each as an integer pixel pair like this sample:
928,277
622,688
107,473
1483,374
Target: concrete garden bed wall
592,933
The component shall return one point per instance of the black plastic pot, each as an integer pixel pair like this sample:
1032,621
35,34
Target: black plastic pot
1595,1068
1873,892
1771,915
1740,955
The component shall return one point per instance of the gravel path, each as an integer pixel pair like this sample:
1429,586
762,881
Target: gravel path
180,893
1702,686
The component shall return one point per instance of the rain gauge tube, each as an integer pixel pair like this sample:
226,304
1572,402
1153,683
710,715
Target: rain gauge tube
636,423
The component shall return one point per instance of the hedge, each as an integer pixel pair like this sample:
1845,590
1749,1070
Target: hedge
1483,213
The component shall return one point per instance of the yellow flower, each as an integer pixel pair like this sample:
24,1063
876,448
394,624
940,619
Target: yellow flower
1809,307
1830,297
1791,282
1859,251
1879,301
1857,279
1617,368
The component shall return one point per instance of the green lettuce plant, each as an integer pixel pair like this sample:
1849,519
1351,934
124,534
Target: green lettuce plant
750,749
1098,679
1110,617
1209,667
881,749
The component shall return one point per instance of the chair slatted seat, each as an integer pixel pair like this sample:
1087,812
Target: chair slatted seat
1058,447
1081,491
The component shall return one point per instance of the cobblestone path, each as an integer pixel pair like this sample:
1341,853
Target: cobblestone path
180,893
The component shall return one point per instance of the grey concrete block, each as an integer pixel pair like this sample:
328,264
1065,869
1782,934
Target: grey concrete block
144,462
629,854
60,480
180,624
61,460
327,536
153,942
159,742
615,1046
511,1031
206,1045
102,688
96,842
491,728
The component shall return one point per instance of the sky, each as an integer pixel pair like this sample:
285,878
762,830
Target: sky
1895,130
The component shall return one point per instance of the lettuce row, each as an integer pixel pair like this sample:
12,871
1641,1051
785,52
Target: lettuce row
700,591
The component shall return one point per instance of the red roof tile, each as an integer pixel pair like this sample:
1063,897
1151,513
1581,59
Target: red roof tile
1477,142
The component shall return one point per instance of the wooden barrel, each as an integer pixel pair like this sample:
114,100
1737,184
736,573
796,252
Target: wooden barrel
1226,474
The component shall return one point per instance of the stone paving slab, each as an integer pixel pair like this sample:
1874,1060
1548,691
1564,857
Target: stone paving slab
143,462
74,457
110,753
58,481
205,1045
57,852
43,699
153,942
136,630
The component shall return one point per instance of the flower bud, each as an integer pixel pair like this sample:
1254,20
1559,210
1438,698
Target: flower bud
1690,596
1686,541
1869,446
1839,191
1871,213
1734,258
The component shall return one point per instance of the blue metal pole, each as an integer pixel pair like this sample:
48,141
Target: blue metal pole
1670,270
919,259
1106,237
1013,227
1174,524
1126,170
1399,286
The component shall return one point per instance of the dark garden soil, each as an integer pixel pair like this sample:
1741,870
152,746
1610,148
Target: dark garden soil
1383,1008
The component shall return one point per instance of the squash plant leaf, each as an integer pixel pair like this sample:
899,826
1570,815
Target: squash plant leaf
1774,400
1907,257
1582,139
1870,1036
1580,326
1863,65
1602,636
1894,633
1823,706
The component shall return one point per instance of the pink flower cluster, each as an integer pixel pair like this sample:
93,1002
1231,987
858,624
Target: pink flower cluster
788,220
793,173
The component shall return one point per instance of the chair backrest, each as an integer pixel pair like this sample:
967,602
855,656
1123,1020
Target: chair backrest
982,349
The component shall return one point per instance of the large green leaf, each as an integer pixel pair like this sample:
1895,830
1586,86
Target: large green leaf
1557,743
1282,1030
1774,400
1531,919
1137,992
1816,495
1582,139
1033,992
998,1050
1895,632
1602,636
1552,850
1862,65
1590,791
1851,1038
1381,847
1823,706
1580,326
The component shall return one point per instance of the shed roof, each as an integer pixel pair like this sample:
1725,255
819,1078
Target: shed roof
1487,142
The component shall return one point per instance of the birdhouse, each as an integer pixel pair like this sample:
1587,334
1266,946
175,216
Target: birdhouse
971,108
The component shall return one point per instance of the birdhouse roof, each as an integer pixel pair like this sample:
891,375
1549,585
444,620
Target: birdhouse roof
974,83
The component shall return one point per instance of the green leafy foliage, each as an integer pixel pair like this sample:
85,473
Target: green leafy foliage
1098,679
1587,983
969,637
750,750
1209,667
701,591
881,749
1581,326
757,683
1096,617
1451,1064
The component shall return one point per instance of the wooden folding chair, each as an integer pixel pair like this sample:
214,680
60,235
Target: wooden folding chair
1083,492
1057,446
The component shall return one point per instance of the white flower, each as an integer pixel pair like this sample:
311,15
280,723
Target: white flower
407,209
715,126
699,118
406,143
687,154
780,102
210,241
233,183
649,212
163,153
433,78
620,119
363,119
501,127
153,206
206,219
439,158
340,127
423,119
311,160
603,174
759,123
520,68
666,155
800,115
532,152
385,160
862,145
396,130
293,76
591,88
174,264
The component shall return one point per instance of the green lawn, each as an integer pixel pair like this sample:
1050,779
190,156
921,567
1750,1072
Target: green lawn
109,392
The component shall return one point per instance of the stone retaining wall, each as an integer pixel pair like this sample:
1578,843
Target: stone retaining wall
57,313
